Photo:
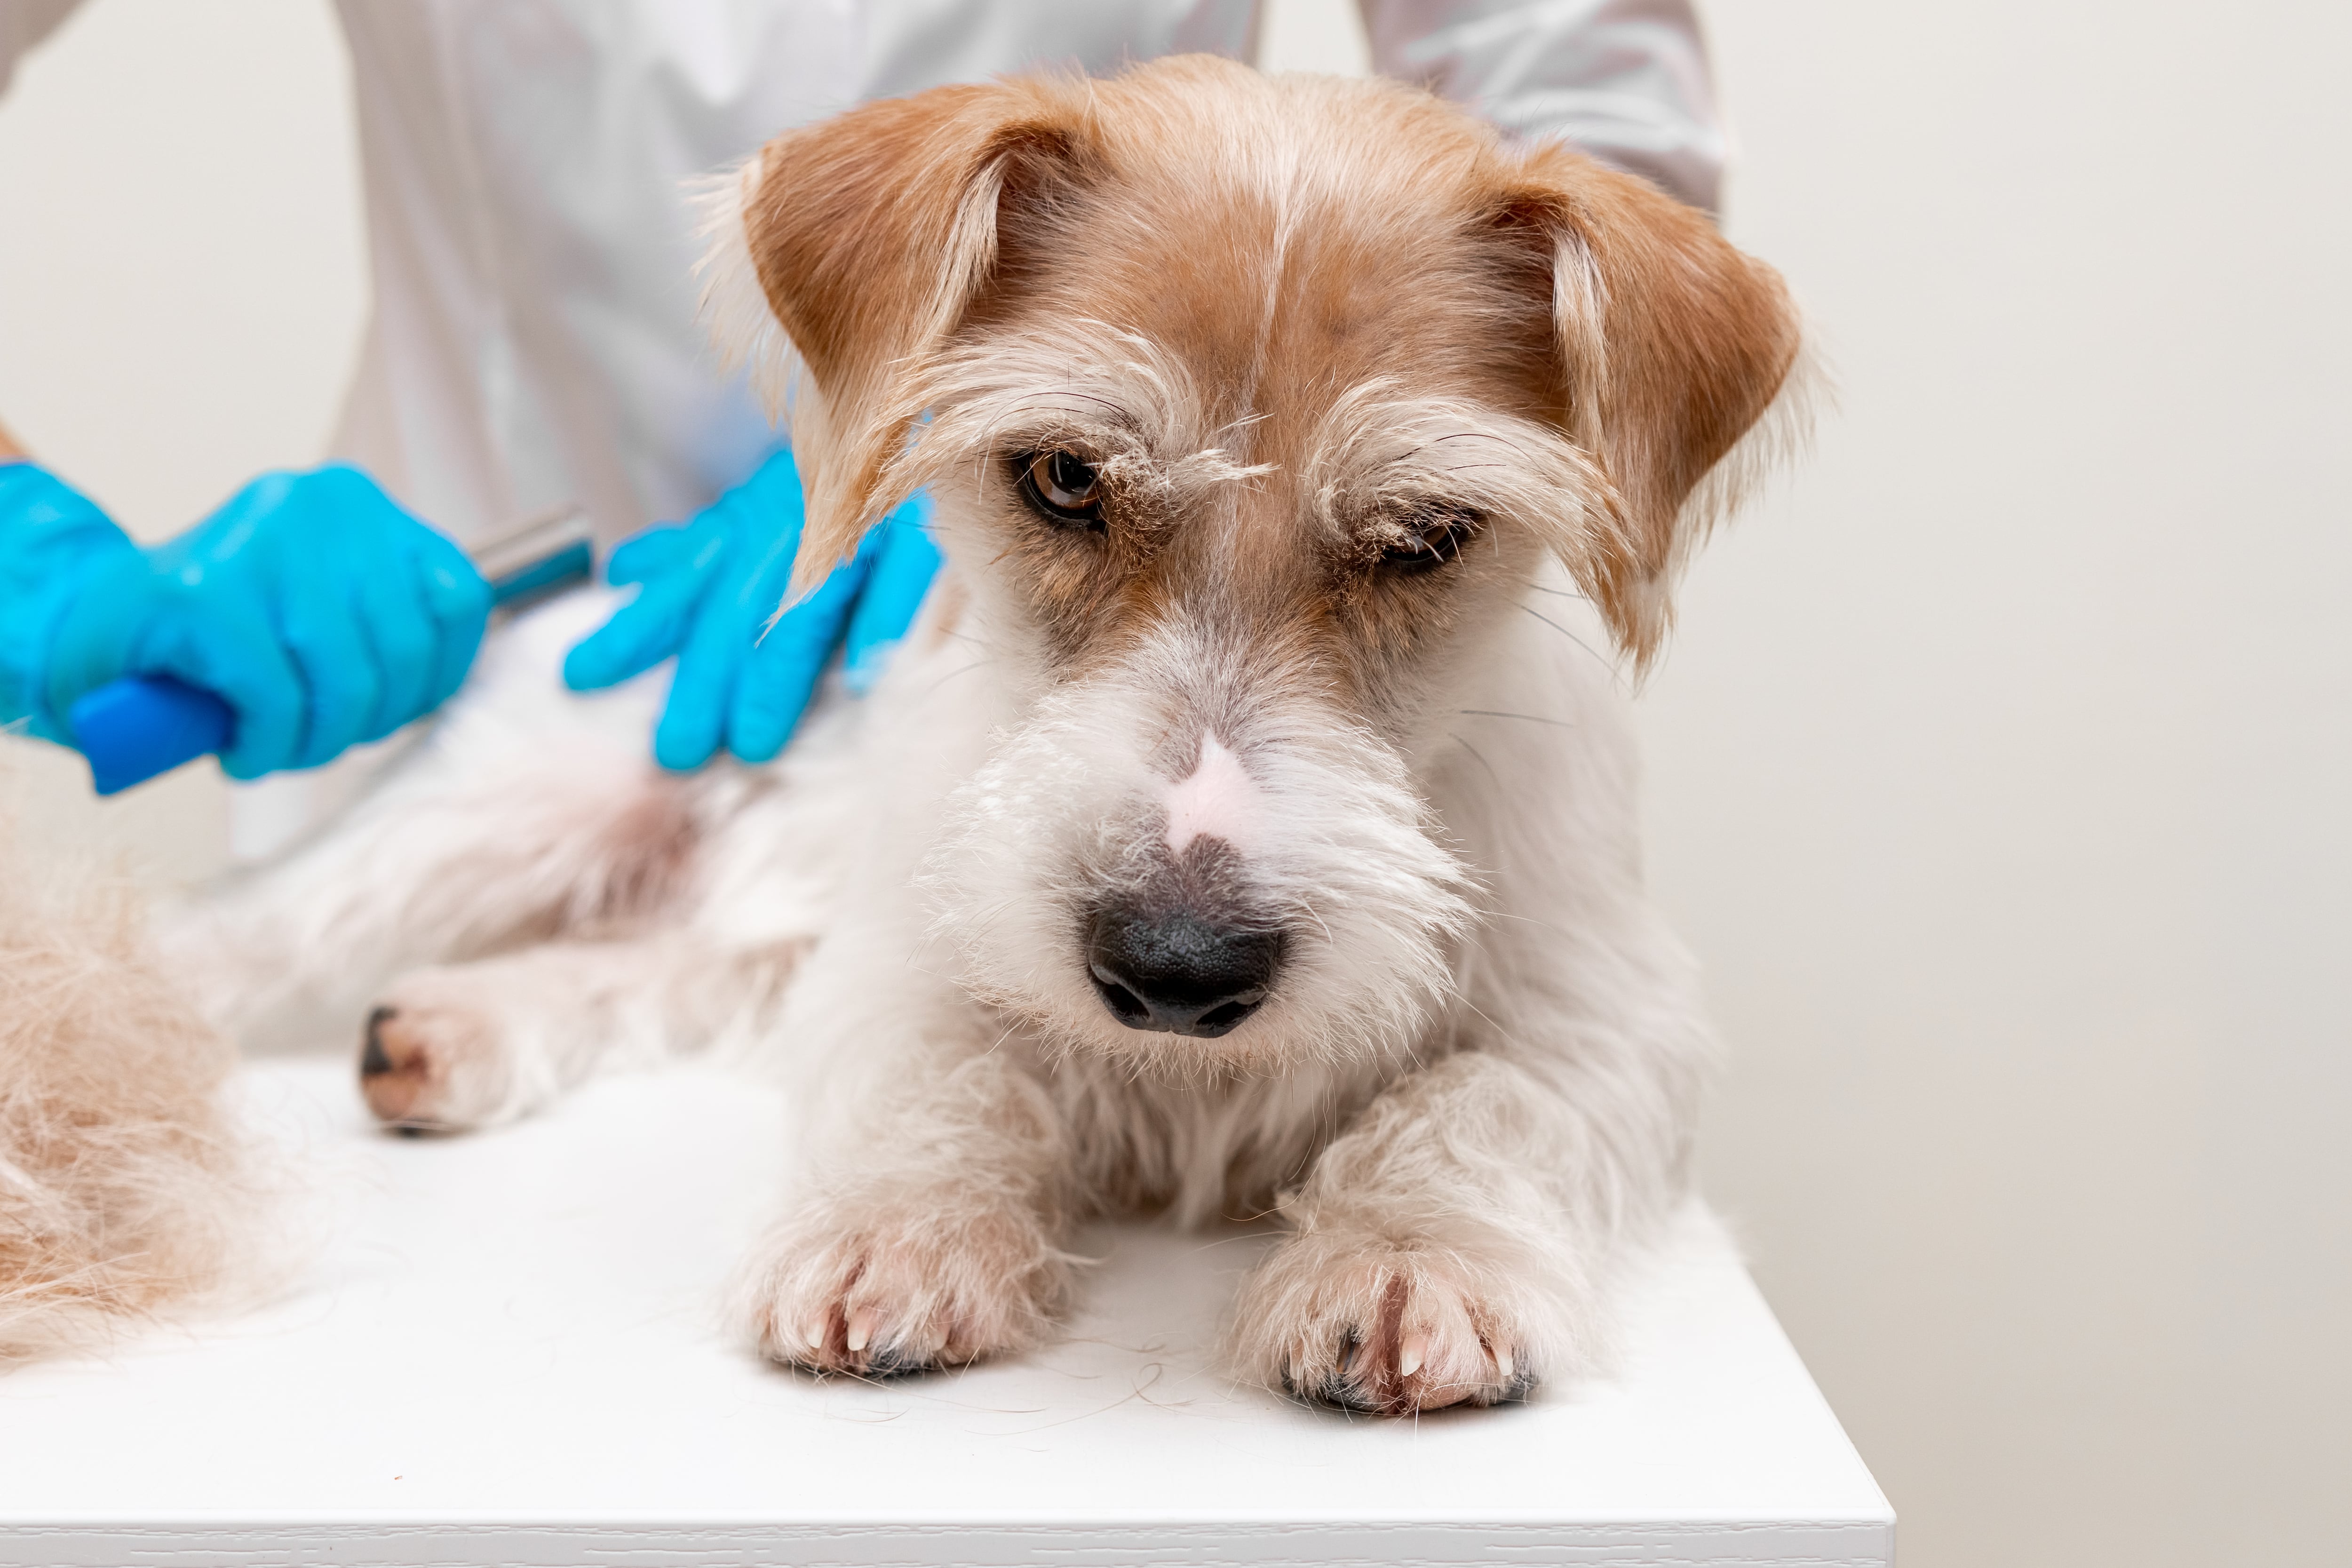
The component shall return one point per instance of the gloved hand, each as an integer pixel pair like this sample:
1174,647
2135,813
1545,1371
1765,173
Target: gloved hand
322,614
706,589
53,540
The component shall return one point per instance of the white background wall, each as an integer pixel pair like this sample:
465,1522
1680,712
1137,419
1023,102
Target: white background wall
2001,773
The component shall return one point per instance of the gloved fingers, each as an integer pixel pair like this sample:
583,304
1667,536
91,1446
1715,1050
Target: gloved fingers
54,544
339,677
639,636
404,638
738,554
642,556
694,719
90,642
773,497
456,606
905,562
787,660
770,698
234,652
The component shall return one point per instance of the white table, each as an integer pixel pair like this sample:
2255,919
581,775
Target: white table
508,1350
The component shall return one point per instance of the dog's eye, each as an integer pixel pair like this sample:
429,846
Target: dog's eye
1430,540
1061,487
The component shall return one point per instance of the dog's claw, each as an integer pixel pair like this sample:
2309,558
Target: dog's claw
858,1296
1391,1334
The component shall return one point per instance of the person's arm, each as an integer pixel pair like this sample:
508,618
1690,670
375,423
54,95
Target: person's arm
321,614
24,24
1624,80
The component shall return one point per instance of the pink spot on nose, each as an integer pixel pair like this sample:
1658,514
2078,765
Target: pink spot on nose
1214,800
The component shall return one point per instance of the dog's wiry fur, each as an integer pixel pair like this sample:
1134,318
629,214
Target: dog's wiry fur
1290,325
126,1190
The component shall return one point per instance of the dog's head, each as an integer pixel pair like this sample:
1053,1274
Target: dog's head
1250,406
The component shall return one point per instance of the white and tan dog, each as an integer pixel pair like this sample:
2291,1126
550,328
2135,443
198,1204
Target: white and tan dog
1247,828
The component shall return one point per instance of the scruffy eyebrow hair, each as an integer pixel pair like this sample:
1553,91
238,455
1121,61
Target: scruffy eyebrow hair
1381,452
1378,453
1132,405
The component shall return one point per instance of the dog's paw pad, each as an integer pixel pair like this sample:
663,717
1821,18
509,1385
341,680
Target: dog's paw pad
1388,1335
424,1068
905,1291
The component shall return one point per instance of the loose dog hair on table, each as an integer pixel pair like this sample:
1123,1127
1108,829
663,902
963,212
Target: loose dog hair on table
129,1190
1248,826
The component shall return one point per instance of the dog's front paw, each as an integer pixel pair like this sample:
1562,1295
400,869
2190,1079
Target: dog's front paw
1368,1325
433,1055
924,1281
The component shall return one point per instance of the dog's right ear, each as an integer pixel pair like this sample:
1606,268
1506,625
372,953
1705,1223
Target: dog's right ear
872,236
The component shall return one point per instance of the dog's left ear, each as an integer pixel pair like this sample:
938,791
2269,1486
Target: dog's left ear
1671,344
872,235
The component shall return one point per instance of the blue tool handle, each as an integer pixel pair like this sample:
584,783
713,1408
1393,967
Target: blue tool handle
141,725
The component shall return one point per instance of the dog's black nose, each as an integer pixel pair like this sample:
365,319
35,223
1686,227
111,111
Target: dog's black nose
1173,970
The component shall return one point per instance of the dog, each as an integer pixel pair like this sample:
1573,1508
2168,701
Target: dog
1247,827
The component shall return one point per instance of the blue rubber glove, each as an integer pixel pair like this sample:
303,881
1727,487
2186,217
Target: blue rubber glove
53,540
322,614
708,588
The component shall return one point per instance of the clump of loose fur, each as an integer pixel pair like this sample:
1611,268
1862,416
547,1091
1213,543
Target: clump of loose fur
126,1189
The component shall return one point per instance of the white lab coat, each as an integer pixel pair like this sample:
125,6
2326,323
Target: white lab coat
533,342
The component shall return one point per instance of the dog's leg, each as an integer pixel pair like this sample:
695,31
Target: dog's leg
475,1044
524,812
930,1234
441,864
1452,1247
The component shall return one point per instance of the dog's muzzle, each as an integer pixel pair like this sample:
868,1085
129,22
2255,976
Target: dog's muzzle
1174,970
